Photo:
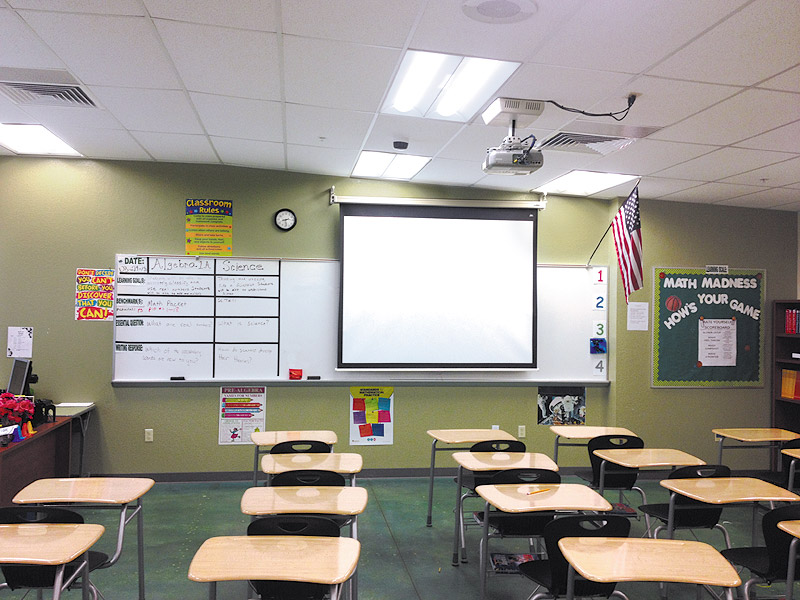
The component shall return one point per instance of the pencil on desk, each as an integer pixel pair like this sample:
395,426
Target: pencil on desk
538,491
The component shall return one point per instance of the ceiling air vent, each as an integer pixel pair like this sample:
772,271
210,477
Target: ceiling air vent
584,142
47,94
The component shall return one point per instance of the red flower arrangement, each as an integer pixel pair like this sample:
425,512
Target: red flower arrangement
14,410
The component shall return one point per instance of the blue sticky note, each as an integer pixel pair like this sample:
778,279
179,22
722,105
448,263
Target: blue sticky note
384,403
377,429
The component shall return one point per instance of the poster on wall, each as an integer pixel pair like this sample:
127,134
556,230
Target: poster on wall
209,227
94,294
371,416
20,342
560,405
242,410
708,327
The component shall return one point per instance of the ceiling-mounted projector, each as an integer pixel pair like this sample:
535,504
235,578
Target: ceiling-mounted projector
513,157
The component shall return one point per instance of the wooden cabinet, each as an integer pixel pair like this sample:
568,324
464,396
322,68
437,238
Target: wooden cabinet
785,368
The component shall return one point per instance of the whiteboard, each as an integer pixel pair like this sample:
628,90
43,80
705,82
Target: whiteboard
175,323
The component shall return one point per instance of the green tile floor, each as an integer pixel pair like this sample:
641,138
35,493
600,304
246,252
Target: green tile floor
401,558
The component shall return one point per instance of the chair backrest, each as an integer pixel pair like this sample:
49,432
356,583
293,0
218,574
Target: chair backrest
498,446
777,541
580,526
300,446
308,477
617,477
710,514
525,476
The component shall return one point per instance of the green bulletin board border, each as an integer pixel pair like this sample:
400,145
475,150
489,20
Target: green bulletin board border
661,357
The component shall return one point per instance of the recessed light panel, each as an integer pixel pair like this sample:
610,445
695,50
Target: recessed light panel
33,139
583,183
387,165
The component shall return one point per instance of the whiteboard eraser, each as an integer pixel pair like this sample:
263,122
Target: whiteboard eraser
313,377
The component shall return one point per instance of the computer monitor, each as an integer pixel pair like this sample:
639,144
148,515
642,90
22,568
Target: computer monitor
19,381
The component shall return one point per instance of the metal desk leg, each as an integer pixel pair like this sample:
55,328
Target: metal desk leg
255,466
430,484
457,532
792,468
212,590
790,568
671,515
570,582
602,481
555,450
83,421
483,550
721,444
140,544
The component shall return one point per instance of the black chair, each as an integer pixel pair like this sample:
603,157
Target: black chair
616,477
43,577
523,525
472,479
689,513
551,573
300,446
292,525
308,477
767,563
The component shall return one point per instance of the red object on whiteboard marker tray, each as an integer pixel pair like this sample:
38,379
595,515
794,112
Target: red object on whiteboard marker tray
295,373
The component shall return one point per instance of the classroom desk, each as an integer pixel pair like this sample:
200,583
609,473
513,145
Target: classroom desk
516,498
82,412
641,458
582,432
50,544
451,437
346,463
489,461
725,490
263,440
97,493
793,529
609,560
326,560
752,437
794,454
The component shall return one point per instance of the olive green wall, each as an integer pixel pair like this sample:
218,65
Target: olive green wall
58,215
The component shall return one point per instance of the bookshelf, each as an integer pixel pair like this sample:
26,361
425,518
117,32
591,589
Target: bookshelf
785,368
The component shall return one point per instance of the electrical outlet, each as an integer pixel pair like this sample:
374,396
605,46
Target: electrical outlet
495,426
148,435
520,431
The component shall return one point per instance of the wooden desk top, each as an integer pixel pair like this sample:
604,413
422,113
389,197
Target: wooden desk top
519,498
638,458
792,452
46,543
757,434
91,490
328,500
270,438
468,436
643,559
339,462
790,527
326,560
495,461
587,432
727,490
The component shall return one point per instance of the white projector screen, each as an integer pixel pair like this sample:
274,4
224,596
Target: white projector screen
437,288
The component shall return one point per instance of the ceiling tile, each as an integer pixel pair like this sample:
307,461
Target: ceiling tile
653,187
128,53
325,127
27,51
250,153
783,138
326,161
742,50
425,137
73,117
97,7
646,156
710,193
360,21
745,115
167,111
260,15
471,142
772,198
174,147
115,144
458,171
779,174
789,81
723,163
240,117
228,62
337,74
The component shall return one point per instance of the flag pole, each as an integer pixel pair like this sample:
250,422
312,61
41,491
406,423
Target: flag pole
588,262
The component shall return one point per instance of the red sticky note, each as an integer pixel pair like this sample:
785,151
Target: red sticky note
365,430
295,373
359,404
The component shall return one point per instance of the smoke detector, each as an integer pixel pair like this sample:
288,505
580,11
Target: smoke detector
499,11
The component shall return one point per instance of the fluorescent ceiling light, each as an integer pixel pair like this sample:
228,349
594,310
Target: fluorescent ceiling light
583,183
33,139
389,165
445,86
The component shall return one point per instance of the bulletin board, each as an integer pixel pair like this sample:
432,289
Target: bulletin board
708,327
192,320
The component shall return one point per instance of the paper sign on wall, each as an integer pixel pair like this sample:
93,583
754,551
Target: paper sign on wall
242,411
371,416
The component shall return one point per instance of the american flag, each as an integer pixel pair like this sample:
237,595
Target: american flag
627,228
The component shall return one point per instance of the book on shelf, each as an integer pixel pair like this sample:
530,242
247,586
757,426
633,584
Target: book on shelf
790,321
790,384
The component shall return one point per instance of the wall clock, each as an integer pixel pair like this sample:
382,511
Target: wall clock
285,219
